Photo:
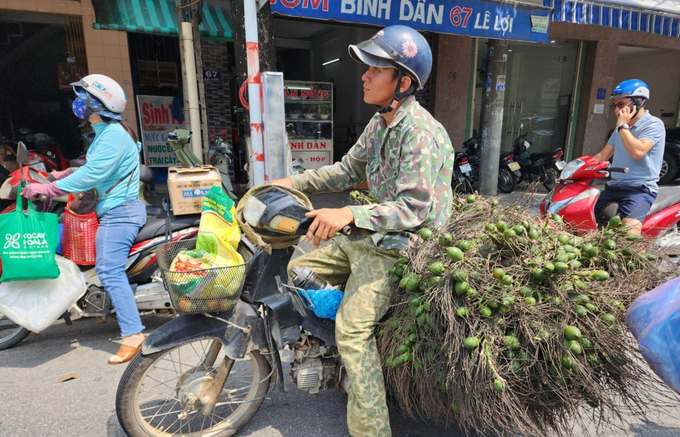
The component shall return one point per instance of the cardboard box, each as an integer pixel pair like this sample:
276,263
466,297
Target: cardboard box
187,186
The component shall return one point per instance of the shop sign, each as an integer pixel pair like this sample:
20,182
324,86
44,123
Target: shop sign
213,76
311,160
311,145
477,18
156,121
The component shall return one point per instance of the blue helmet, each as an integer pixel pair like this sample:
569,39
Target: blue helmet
397,47
631,88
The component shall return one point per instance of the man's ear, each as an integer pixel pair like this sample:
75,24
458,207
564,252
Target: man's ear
406,82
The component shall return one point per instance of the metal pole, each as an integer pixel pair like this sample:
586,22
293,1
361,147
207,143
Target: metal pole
492,128
192,89
198,53
252,55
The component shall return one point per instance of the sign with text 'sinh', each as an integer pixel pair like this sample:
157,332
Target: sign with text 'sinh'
156,121
477,18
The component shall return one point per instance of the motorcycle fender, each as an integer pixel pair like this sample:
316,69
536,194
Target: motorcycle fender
191,327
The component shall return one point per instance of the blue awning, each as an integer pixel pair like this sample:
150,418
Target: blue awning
618,16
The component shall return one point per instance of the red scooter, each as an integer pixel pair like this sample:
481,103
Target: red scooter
575,196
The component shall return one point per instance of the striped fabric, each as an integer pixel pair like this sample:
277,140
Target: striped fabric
156,17
618,17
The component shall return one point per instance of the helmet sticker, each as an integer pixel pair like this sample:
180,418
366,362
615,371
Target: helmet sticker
78,108
99,86
380,33
409,48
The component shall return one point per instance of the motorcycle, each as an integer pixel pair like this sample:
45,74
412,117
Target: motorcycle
224,362
574,199
543,167
141,270
180,139
221,157
46,155
468,164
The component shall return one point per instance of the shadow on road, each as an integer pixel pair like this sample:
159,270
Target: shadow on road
649,429
59,340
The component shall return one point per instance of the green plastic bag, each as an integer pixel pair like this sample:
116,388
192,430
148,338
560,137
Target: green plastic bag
28,243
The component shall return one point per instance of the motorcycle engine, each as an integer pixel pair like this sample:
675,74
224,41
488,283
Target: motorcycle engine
317,366
97,303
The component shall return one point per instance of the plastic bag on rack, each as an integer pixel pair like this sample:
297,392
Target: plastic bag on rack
36,305
324,303
654,320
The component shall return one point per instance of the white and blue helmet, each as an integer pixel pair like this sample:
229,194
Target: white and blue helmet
96,93
631,88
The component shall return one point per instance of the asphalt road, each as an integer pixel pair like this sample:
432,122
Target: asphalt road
34,404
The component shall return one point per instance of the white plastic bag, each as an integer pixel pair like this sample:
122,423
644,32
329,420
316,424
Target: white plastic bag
35,305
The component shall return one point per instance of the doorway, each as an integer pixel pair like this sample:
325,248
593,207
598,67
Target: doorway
540,84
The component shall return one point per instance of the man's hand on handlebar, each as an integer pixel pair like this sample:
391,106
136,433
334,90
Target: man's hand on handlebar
327,222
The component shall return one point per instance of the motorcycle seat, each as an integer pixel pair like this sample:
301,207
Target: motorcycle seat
668,196
155,226
540,155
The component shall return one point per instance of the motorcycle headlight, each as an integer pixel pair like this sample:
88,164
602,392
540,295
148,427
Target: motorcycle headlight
570,168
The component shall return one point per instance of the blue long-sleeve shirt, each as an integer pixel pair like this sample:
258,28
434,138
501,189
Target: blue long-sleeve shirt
111,157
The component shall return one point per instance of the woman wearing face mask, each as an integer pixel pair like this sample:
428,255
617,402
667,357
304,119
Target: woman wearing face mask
113,169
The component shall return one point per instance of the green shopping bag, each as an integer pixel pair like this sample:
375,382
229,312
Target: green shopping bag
28,243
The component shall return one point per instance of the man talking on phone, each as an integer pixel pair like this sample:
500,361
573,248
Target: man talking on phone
638,144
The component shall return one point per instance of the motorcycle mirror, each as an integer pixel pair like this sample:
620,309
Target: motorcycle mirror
22,153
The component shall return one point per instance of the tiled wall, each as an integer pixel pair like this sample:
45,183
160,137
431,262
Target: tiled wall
217,98
107,50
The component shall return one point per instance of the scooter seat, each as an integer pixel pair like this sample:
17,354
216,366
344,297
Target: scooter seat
668,196
155,226
540,155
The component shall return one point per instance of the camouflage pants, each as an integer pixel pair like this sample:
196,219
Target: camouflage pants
363,268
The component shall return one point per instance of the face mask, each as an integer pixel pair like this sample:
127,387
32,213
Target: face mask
78,108
98,127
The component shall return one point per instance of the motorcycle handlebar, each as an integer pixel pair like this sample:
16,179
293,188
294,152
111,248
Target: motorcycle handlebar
618,169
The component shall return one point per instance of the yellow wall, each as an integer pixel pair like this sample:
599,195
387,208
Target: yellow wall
107,50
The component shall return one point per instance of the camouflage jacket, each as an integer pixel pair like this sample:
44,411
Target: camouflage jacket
407,166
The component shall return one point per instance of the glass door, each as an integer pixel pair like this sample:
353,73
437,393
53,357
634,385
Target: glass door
540,80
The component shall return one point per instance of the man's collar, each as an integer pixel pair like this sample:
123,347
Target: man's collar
406,108
635,124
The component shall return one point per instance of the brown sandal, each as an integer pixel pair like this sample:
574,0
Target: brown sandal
126,353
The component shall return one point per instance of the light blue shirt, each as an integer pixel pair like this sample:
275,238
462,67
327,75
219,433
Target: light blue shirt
111,157
643,171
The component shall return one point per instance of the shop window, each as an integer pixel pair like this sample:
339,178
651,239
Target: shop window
158,73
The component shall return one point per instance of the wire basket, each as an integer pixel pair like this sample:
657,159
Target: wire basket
202,291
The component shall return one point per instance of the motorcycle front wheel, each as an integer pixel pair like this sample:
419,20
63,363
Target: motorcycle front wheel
10,333
162,394
506,180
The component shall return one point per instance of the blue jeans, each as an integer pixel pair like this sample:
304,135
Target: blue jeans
118,229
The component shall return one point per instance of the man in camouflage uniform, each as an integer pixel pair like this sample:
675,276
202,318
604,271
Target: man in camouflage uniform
406,157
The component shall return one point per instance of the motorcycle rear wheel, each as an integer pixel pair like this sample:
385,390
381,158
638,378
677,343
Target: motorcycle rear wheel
550,179
10,333
152,395
506,180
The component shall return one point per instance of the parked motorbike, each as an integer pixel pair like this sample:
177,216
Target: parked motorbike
223,363
574,199
141,270
221,157
543,167
46,153
468,164
180,139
